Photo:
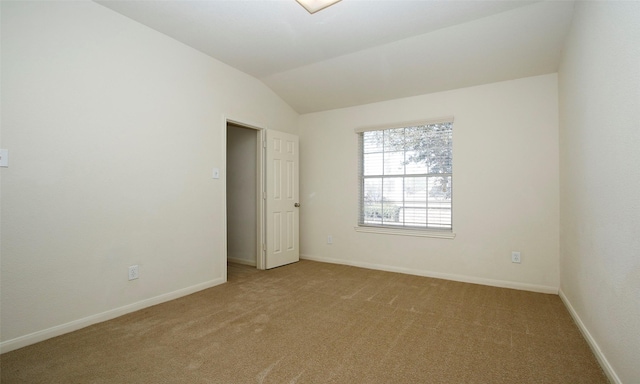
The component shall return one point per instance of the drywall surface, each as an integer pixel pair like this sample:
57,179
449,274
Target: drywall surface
599,87
242,144
505,186
113,131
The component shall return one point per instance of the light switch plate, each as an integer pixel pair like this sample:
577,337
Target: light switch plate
4,157
216,173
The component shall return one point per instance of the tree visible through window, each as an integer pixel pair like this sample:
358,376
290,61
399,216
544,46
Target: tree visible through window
406,176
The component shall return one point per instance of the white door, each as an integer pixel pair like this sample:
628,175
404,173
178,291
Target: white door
282,212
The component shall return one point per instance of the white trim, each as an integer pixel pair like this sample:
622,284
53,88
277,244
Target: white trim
223,188
35,337
261,224
406,232
440,120
602,359
438,275
241,123
242,261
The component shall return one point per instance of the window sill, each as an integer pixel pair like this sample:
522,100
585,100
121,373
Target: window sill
406,232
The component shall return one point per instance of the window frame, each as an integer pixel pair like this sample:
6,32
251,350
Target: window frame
405,230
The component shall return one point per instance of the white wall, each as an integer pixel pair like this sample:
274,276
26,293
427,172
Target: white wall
505,188
599,84
242,144
113,131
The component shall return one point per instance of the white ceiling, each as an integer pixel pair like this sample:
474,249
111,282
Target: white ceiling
362,51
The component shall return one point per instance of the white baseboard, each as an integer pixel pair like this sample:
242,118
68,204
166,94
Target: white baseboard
241,261
604,363
32,338
437,275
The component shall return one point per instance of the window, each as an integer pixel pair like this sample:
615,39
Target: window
406,176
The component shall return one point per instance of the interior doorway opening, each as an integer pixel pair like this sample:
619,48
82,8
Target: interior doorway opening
244,186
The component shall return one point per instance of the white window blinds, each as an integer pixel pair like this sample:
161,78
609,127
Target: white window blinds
406,176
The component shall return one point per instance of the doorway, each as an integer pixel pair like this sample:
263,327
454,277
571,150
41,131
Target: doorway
262,195
243,185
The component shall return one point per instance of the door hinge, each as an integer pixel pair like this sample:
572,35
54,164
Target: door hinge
264,247
264,144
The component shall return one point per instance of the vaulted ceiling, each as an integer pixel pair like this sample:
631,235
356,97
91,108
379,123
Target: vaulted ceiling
363,51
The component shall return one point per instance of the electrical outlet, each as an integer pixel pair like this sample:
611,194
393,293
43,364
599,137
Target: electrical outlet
329,239
515,257
133,272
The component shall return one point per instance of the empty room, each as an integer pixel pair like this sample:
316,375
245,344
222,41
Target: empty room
291,191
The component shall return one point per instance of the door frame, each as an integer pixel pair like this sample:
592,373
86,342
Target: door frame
260,191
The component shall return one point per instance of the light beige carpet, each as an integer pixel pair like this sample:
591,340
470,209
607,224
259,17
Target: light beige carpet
312,322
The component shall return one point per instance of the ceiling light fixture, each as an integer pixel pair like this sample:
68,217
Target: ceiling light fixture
313,6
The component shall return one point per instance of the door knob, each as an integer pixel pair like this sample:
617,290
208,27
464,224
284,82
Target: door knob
297,205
